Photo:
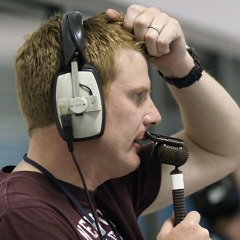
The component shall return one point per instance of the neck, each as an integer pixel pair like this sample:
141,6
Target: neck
52,153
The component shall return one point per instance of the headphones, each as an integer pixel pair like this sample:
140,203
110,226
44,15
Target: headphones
220,199
77,96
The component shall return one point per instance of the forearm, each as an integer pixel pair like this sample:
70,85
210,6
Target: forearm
210,116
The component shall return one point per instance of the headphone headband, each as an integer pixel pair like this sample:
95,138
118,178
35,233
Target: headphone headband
73,38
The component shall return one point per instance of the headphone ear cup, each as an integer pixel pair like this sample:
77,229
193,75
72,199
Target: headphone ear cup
90,123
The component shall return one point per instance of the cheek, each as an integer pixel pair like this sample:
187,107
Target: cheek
122,115
115,111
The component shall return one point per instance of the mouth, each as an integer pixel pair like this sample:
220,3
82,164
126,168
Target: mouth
140,140
137,145
144,137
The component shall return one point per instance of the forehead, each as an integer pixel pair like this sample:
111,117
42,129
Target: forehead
132,70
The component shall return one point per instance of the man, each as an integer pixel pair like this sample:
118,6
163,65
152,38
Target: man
43,197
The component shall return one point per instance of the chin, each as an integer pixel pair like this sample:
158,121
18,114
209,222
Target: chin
129,165
135,162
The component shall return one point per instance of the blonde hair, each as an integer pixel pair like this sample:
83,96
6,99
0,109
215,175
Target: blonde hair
41,56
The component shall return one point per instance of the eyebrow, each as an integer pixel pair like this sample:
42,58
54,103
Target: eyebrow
140,89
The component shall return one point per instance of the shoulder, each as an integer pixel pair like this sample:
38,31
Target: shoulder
19,190
34,223
29,204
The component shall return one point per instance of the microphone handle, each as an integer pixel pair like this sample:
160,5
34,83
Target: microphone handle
178,195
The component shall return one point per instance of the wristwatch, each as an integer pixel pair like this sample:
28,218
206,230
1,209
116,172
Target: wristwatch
193,76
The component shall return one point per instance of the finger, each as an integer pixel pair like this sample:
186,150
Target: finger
143,21
132,13
169,30
167,227
170,33
193,216
113,14
151,37
191,228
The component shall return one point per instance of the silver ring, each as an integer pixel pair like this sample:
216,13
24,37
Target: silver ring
155,28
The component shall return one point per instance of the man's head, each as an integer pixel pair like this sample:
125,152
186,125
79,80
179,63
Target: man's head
41,56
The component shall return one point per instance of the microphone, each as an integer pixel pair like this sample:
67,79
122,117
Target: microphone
171,155
172,151
169,150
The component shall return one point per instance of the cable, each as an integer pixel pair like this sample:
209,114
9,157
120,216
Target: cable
87,194
68,134
88,88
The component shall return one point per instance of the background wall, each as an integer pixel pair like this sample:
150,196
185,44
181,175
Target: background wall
212,27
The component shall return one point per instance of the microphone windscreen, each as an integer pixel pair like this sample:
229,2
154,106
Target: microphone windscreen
171,155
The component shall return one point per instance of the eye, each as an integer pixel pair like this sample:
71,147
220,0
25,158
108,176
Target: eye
139,98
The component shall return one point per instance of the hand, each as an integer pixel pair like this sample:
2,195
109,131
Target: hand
163,36
189,228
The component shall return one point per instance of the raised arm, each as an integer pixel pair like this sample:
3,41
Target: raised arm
211,118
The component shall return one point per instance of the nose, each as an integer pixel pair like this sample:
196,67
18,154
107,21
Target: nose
153,116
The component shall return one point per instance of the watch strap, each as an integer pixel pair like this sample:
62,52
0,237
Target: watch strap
193,76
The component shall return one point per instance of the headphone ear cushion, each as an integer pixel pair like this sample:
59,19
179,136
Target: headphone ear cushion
88,67
220,199
54,101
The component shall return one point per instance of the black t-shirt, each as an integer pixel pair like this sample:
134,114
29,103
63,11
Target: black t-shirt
33,207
